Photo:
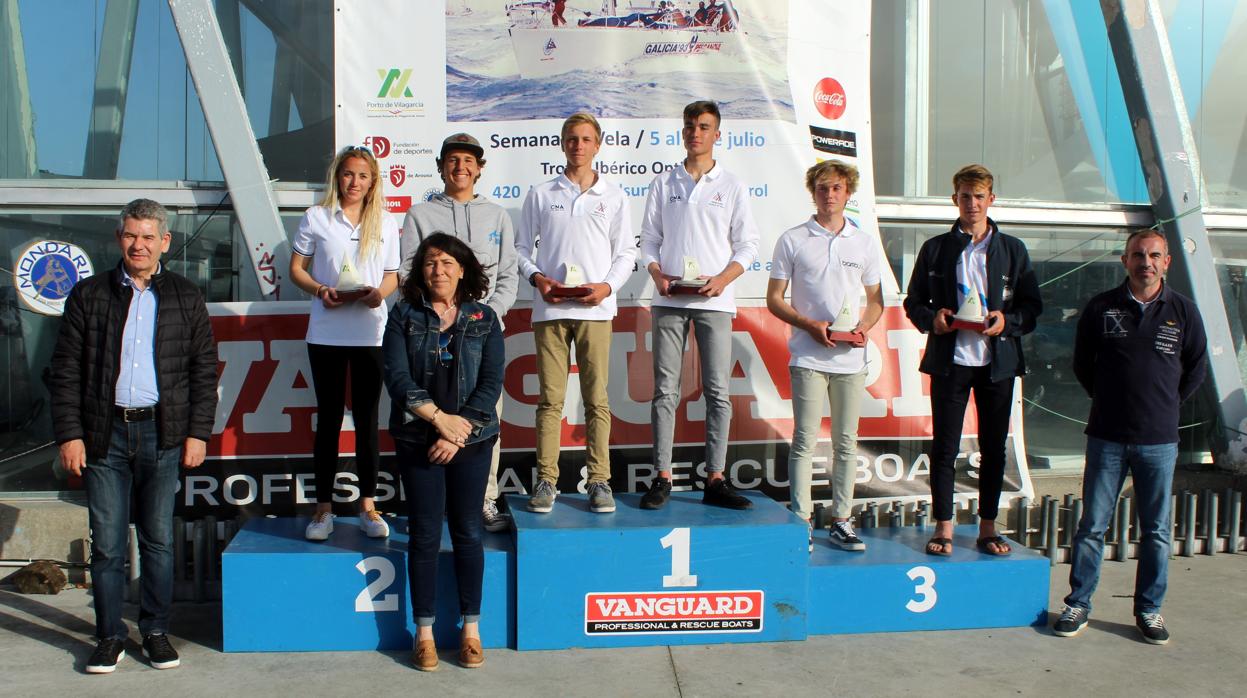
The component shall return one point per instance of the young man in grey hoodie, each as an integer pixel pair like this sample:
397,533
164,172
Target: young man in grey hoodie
486,228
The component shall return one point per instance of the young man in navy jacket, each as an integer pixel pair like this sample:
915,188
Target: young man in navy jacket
974,257
1140,351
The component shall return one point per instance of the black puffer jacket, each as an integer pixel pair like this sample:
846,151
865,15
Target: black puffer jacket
86,361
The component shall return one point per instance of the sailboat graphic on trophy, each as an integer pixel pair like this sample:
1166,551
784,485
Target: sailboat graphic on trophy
842,329
971,316
350,288
690,282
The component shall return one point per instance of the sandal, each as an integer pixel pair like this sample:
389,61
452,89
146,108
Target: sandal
1000,543
940,542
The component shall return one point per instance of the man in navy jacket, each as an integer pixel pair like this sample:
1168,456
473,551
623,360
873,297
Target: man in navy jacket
974,257
1139,353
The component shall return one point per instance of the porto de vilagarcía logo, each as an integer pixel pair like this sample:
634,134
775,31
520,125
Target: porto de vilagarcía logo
380,146
46,272
394,83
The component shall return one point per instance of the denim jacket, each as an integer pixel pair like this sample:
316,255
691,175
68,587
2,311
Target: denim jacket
411,355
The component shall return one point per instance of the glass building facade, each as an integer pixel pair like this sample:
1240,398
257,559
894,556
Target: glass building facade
97,107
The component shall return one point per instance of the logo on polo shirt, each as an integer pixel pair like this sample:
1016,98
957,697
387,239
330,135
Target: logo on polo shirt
674,198
600,211
717,200
851,264
1114,323
557,207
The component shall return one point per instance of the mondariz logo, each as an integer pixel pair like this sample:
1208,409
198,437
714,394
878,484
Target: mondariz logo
633,613
47,271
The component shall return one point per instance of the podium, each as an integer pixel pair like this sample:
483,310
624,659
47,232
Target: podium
282,593
684,574
896,586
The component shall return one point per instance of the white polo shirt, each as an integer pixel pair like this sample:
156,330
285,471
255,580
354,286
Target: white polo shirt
709,220
328,238
823,270
971,348
592,230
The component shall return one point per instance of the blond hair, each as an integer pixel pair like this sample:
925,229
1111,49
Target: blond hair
581,117
975,176
828,169
373,206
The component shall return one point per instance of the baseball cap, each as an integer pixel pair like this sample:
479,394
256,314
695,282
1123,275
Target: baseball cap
462,141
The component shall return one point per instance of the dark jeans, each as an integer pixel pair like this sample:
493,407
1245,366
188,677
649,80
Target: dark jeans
1151,468
134,465
453,491
329,374
993,402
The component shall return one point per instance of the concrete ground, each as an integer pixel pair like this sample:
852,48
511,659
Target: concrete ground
47,639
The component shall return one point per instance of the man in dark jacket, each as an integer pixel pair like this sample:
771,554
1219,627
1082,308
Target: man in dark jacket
133,395
1140,351
972,260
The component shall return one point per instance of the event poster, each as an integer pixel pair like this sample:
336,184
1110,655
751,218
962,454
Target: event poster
792,81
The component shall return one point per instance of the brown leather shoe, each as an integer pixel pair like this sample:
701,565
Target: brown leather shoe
424,656
470,654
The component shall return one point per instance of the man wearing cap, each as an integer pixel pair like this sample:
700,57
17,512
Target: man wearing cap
133,397
486,228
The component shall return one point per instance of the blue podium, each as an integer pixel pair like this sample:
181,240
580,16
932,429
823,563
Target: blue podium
281,593
895,586
685,574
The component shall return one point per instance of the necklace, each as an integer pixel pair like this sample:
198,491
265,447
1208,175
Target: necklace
447,316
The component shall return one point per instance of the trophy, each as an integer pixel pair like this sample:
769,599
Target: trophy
572,287
842,329
689,282
349,287
970,315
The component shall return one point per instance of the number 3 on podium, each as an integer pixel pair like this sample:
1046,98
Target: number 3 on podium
925,589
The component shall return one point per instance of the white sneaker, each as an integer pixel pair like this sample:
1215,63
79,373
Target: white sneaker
321,526
373,525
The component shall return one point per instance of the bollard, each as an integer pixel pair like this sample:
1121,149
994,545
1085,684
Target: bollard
872,515
1067,535
1205,502
1188,524
897,515
198,554
1182,519
1123,530
1044,522
1226,498
132,551
974,510
1210,531
819,512
1234,525
920,519
1053,508
1076,518
1021,521
1175,523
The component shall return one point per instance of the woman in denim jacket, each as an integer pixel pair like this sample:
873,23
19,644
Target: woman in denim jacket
443,369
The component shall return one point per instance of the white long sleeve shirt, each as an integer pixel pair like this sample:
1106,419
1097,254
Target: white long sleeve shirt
561,225
709,220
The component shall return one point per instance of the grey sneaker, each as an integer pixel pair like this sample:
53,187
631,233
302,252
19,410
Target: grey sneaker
543,497
843,537
601,501
494,520
1153,628
1073,619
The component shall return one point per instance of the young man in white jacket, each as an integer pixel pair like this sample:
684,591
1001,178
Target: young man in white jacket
585,255
486,228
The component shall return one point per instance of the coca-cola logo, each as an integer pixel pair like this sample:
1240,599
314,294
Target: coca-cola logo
829,98
380,146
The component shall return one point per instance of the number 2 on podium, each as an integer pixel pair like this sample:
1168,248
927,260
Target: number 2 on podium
371,600
678,540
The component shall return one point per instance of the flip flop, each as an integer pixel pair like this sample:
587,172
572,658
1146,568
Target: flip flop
941,542
983,543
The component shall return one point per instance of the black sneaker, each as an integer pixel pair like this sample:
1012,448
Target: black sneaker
1153,627
106,655
720,493
659,492
159,652
1073,619
843,537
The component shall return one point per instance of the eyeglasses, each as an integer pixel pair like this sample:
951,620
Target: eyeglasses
443,346
357,148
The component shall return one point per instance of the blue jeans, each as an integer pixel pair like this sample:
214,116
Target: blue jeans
1151,467
133,467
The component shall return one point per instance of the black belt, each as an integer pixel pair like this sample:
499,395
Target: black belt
135,414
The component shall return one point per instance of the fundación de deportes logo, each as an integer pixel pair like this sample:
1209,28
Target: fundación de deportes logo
394,83
380,146
46,272
829,98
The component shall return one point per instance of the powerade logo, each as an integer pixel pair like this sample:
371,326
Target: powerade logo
829,140
380,146
829,98
394,83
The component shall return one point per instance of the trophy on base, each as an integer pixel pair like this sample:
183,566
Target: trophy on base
842,329
689,282
970,315
572,287
350,288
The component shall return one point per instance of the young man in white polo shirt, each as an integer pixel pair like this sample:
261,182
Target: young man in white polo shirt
828,261
697,212
585,232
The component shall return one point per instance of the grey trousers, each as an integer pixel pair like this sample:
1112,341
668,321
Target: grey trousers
713,332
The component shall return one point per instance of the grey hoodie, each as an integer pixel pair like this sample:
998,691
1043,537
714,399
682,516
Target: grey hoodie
485,227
